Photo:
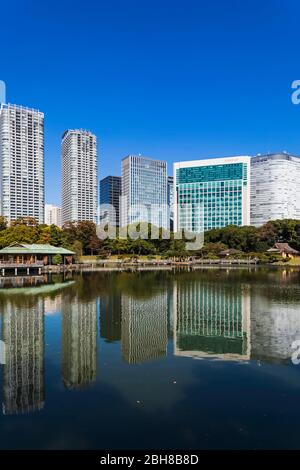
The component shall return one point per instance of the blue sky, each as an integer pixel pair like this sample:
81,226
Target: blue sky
174,80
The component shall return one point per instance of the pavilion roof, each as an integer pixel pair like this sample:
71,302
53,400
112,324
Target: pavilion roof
35,249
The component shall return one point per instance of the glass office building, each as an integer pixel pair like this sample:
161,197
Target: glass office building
144,191
110,192
275,188
212,193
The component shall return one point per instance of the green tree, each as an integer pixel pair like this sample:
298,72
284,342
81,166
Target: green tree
57,259
3,223
77,248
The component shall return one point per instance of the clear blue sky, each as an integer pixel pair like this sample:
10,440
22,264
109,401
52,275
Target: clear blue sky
171,79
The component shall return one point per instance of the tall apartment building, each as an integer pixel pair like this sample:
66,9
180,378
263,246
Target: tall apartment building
21,162
79,176
212,193
110,192
275,188
52,215
144,191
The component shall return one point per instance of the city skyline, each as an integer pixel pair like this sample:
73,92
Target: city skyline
209,87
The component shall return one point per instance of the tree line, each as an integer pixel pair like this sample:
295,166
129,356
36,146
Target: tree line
81,237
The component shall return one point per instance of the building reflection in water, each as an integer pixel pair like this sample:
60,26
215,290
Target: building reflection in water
211,319
275,325
23,372
53,305
110,318
144,327
79,342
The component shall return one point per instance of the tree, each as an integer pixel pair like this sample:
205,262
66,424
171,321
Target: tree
95,244
28,221
142,247
3,223
56,235
57,259
77,248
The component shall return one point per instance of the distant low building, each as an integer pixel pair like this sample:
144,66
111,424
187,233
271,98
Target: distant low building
52,215
284,249
229,252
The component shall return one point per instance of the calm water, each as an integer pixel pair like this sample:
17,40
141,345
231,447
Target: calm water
162,360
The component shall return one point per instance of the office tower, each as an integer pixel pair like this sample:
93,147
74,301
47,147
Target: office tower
23,371
144,191
211,319
52,215
79,342
21,162
79,176
275,188
144,328
110,192
212,193
171,201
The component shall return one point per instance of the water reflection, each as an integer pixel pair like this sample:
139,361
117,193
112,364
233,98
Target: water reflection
23,372
226,315
144,328
212,319
79,342
110,318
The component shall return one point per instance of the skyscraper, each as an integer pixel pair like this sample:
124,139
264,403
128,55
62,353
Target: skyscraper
52,215
171,200
21,162
212,193
110,192
275,188
144,191
79,176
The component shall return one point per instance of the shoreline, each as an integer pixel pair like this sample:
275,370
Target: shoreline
165,267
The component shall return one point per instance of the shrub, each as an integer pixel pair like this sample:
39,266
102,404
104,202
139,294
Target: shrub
57,259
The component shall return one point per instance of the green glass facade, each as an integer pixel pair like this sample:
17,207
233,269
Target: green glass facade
211,319
210,196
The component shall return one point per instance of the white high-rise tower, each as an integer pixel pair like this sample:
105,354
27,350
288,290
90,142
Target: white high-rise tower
21,162
79,176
